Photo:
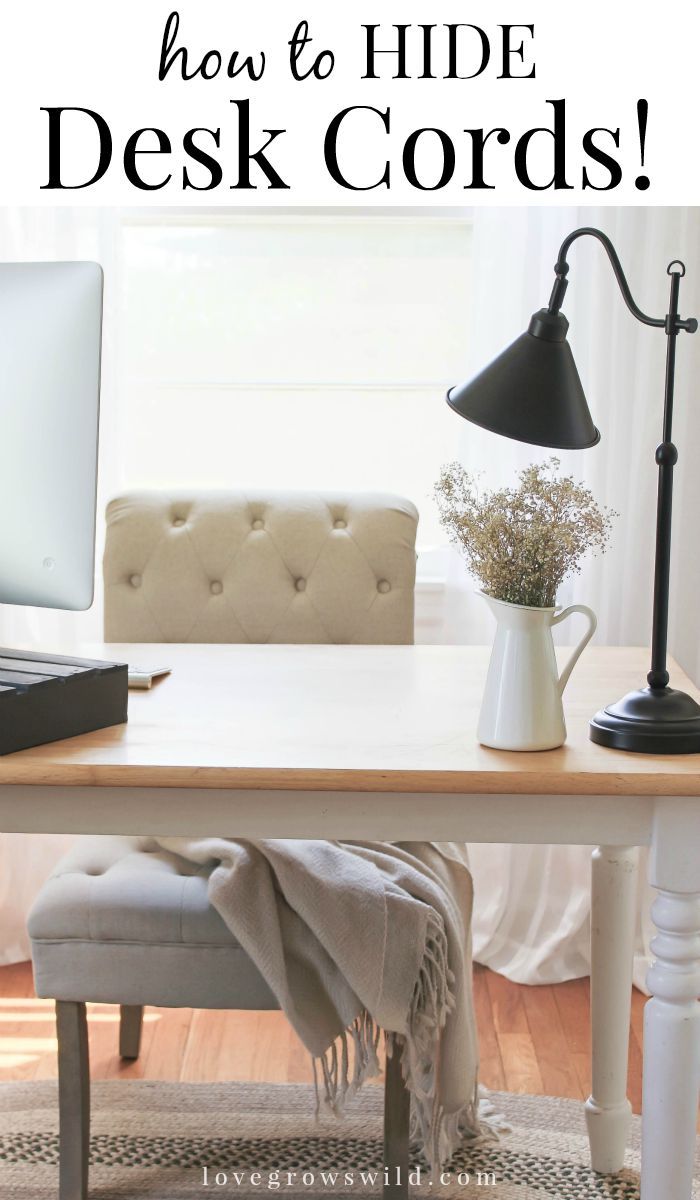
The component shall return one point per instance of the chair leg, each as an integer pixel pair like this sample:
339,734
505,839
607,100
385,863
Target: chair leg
73,1099
397,1112
130,1025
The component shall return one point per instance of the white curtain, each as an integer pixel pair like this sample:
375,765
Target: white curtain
46,234
532,910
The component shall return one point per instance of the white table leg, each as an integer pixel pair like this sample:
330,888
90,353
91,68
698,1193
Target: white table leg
672,1016
613,903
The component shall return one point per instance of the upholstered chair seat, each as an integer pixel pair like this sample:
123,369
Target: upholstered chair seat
122,921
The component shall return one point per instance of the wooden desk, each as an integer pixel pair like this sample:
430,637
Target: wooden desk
379,742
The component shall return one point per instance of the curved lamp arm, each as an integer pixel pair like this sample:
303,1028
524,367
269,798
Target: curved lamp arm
561,269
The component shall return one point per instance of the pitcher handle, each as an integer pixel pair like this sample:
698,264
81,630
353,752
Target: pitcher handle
576,653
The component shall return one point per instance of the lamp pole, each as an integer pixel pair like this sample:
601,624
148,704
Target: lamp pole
608,726
666,457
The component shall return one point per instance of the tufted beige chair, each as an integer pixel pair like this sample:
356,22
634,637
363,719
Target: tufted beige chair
123,921
259,567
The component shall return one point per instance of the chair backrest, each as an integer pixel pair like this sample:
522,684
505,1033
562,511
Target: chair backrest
259,567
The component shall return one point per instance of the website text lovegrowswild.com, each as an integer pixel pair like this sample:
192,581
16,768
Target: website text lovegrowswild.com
336,1180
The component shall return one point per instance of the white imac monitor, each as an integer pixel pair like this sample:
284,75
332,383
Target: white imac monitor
50,342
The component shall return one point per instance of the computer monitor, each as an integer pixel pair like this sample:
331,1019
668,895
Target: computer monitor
50,343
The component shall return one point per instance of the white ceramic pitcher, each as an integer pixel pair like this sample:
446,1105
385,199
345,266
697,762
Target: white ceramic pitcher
522,705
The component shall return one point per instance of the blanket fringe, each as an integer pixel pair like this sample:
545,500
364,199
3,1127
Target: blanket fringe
439,1133
334,1064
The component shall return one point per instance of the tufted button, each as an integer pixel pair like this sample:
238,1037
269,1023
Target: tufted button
383,586
216,587
178,522
300,585
340,524
135,580
258,523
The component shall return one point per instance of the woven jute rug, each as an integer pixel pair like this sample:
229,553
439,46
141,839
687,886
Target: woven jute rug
164,1141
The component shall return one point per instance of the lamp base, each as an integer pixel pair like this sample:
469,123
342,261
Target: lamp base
650,721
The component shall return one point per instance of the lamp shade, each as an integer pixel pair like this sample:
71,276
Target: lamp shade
532,392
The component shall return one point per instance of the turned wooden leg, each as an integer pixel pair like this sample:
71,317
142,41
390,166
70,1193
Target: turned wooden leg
672,1049
672,1017
397,1113
613,904
73,1100
130,1025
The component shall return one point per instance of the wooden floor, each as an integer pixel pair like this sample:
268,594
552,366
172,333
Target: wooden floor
532,1039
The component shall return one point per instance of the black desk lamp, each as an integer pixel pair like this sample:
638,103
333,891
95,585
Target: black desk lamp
532,392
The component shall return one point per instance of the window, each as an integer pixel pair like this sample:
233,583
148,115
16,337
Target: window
289,350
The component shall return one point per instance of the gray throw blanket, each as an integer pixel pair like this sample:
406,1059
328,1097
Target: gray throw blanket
355,938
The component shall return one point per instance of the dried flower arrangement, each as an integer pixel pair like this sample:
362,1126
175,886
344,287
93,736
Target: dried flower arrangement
521,542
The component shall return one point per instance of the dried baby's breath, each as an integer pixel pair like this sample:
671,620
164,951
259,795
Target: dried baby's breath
521,542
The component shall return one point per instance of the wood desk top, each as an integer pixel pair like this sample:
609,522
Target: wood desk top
346,718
